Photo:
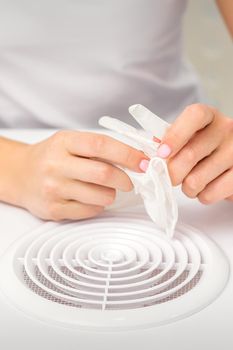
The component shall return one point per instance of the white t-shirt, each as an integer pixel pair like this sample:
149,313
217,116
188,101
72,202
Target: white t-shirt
65,63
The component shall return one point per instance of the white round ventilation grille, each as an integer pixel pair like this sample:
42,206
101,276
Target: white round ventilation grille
112,273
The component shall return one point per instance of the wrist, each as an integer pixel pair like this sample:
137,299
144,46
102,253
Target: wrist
13,165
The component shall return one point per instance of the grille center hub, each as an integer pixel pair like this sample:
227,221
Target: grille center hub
112,255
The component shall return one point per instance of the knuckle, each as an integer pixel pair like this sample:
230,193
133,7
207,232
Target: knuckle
54,212
230,198
128,158
190,186
195,109
191,182
205,198
54,149
198,111
49,166
97,143
172,135
103,172
189,154
57,142
50,188
58,136
110,197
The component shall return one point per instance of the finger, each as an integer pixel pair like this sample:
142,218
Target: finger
88,193
207,170
199,147
193,118
230,198
88,144
72,210
219,189
97,172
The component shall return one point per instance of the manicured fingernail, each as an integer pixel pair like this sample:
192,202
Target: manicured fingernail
164,151
144,165
155,139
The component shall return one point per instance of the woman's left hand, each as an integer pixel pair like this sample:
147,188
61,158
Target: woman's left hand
198,147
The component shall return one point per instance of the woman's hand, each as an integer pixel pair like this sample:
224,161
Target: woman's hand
199,150
70,175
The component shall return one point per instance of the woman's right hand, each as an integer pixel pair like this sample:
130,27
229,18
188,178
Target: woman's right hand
71,174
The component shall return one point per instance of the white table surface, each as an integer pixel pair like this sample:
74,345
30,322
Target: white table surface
215,221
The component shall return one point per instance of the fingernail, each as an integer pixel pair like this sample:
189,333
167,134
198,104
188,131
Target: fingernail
164,151
144,165
155,139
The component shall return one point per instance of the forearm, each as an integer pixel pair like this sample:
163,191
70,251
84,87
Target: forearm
12,164
226,9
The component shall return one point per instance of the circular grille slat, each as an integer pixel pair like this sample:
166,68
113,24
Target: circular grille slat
120,264
115,265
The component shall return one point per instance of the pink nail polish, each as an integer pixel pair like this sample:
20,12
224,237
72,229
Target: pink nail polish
144,165
164,151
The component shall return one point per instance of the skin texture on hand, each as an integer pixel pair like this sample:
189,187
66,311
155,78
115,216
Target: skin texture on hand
67,176
198,147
